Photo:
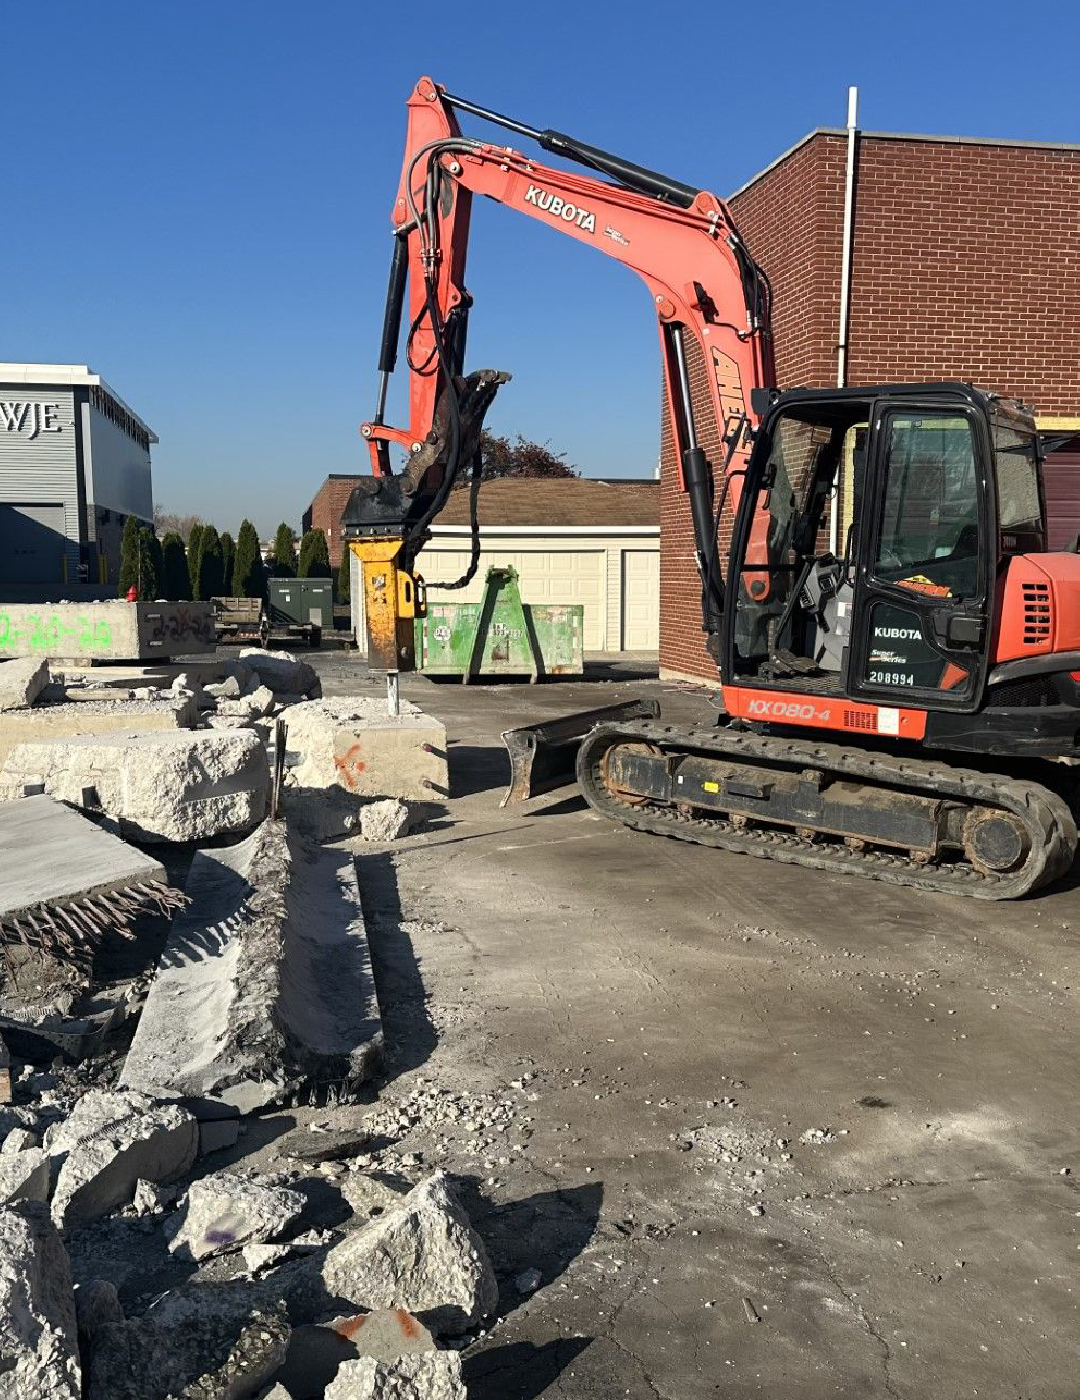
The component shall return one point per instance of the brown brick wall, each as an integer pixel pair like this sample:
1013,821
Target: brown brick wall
965,265
324,513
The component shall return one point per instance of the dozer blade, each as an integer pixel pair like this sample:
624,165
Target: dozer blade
542,756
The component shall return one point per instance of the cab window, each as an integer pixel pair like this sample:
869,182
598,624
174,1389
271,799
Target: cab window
929,529
1017,465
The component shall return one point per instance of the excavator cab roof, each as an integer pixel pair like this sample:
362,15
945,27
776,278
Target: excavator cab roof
983,399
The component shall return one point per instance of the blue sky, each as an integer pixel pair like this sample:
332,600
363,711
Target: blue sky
196,196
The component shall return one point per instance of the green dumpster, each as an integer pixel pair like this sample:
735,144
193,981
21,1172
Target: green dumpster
500,635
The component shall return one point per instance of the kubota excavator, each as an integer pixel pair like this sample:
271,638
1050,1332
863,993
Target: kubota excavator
903,706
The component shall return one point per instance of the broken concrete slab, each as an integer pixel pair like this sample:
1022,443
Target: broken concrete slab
204,1343
22,681
111,1141
423,1255
317,1350
265,984
224,1211
73,717
39,1358
432,1375
106,631
179,786
80,884
284,673
24,1176
385,820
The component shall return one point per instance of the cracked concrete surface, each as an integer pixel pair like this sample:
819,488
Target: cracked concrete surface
686,1017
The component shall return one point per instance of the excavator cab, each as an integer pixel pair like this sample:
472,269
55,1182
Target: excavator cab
940,484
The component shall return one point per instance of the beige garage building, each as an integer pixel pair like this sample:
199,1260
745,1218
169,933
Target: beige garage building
572,540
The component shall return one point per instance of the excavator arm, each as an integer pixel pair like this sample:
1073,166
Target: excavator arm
680,241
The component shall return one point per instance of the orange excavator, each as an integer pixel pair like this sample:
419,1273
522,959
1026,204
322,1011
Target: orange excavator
904,705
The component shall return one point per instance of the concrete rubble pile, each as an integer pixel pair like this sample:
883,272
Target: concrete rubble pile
251,990
361,1309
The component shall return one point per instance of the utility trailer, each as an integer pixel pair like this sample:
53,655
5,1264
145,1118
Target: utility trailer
240,620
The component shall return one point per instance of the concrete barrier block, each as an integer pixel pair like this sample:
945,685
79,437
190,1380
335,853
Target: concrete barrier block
114,631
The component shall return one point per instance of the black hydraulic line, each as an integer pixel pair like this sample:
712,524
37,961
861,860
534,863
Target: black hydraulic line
474,526
698,481
395,299
626,172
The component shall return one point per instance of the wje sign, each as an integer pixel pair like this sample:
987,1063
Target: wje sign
29,420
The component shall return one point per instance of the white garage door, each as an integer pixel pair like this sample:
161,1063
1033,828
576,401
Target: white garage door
546,576
640,599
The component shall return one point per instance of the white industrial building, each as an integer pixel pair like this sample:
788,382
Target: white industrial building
74,464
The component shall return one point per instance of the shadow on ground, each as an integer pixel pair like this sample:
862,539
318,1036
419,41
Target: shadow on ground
408,1031
520,1370
477,768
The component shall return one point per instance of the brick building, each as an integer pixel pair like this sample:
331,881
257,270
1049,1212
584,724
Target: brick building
324,513
964,265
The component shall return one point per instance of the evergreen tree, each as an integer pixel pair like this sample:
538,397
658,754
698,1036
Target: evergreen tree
194,550
129,556
149,563
344,576
228,558
314,556
175,581
249,571
283,561
211,576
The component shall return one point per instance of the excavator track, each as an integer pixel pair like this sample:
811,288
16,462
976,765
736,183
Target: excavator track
905,821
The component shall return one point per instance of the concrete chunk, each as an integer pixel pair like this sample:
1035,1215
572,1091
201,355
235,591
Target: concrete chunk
224,1211
180,786
111,1140
432,1375
24,1176
343,750
385,820
265,983
317,1351
200,1343
39,1357
284,673
21,682
422,1255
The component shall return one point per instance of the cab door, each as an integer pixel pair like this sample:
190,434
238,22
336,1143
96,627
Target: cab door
924,575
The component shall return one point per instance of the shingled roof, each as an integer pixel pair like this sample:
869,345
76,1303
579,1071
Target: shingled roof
559,501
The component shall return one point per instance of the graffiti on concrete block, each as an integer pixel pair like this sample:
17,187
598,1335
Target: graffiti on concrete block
49,632
196,624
